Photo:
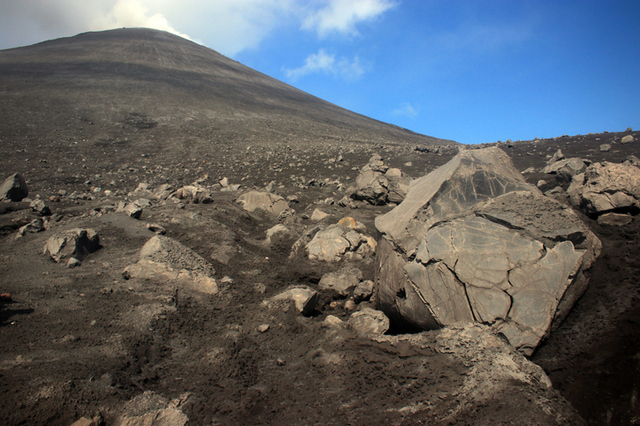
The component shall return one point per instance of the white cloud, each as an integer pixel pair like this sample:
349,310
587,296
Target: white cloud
406,110
226,26
323,62
134,13
341,16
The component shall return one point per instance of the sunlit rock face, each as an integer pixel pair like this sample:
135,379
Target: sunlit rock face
473,242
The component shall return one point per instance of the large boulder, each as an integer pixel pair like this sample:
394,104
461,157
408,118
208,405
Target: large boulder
14,188
473,242
164,259
378,184
607,187
74,243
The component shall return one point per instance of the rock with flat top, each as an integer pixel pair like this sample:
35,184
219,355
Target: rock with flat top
262,200
474,242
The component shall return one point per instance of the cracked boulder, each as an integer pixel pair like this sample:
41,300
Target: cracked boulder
379,184
473,242
606,188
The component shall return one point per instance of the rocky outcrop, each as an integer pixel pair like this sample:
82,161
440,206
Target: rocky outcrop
261,200
74,243
607,187
166,260
14,188
379,184
473,242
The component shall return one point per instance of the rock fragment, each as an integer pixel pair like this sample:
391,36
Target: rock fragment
77,243
343,281
303,297
369,321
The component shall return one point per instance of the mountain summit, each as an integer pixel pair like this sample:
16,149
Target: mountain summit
159,91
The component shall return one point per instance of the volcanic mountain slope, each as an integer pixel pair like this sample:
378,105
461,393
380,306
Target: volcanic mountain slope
154,93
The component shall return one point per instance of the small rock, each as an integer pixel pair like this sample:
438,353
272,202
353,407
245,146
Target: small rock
304,298
605,147
158,229
369,321
318,215
39,207
73,262
6,297
262,328
343,281
627,139
14,188
363,291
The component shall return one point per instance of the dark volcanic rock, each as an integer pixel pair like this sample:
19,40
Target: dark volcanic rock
474,242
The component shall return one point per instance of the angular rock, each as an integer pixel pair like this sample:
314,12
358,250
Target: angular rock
39,207
77,243
607,187
318,215
261,200
378,184
131,209
473,242
342,281
164,259
627,139
363,291
304,298
568,166
14,188
277,233
36,225
369,321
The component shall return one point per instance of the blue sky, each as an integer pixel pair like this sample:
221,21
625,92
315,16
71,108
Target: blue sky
471,71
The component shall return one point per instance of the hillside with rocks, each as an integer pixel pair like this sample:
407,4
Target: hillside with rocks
188,241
